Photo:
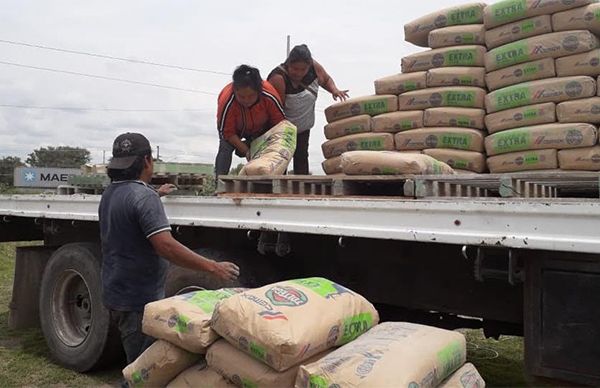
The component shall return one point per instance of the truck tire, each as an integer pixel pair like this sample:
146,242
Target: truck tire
76,325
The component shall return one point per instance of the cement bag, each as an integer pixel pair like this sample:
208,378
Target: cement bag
444,57
398,121
360,141
332,166
583,18
587,158
466,377
507,11
458,159
417,31
459,96
349,126
457,35
522,29
554,45
200,376
523,72
537,92
184,320
285,323
245,371
369,105
423,138
271,153
158,365
456,76
392,163
557,136
521,117
579,64
400,83
454,117
523,161
393,354
586,110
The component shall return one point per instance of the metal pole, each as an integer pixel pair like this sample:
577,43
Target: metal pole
157,152
287,53
103,156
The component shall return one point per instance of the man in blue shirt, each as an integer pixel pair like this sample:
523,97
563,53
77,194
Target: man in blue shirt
135,234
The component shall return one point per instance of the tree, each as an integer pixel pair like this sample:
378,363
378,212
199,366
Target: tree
61,156
7,167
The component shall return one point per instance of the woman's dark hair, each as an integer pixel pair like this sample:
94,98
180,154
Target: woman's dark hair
300,53
247,77
131,173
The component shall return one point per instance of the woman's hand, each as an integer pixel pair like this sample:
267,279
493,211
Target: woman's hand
341,94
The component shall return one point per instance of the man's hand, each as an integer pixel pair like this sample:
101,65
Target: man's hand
166,189
225,270
341,94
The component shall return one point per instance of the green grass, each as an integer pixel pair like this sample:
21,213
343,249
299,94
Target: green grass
24,356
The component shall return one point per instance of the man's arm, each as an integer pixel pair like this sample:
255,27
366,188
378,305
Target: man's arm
166,246
328,84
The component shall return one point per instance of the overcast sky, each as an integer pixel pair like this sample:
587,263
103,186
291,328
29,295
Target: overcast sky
356,41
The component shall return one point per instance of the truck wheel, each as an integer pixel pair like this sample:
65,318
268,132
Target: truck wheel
75,323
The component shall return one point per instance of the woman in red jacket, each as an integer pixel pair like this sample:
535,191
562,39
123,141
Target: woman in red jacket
247,108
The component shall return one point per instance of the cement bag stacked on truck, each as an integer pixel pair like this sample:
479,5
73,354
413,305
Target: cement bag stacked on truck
158,365
184,320
350,127
286,323
271,153
391,163
452,96
466,377
392,354
536,62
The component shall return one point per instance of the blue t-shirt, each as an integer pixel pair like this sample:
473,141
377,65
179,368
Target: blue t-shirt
132,273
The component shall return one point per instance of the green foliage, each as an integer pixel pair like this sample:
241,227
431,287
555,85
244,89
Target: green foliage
61,156
7,167
209,186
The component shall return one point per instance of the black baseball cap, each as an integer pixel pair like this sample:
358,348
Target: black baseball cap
126,148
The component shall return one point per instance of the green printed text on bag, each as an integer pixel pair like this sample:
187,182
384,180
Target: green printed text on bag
375,107
511,140
317,381
531,159
464,99
463,122
321,286
527,27
355,326
371,144
460,164
460,57
409,85
451,358
508,10
207,300
470,15
258,351
455,140
511,54
406,124
181,325
512,97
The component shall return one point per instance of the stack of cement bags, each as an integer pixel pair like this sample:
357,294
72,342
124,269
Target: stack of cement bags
541,57
351,128
181,325
304,332
445,85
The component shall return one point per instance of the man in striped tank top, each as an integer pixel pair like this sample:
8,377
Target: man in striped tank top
297,80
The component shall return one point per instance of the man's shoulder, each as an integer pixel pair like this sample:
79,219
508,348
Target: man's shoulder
136,189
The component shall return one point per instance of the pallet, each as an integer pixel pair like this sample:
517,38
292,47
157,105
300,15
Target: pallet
512,185
313,185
